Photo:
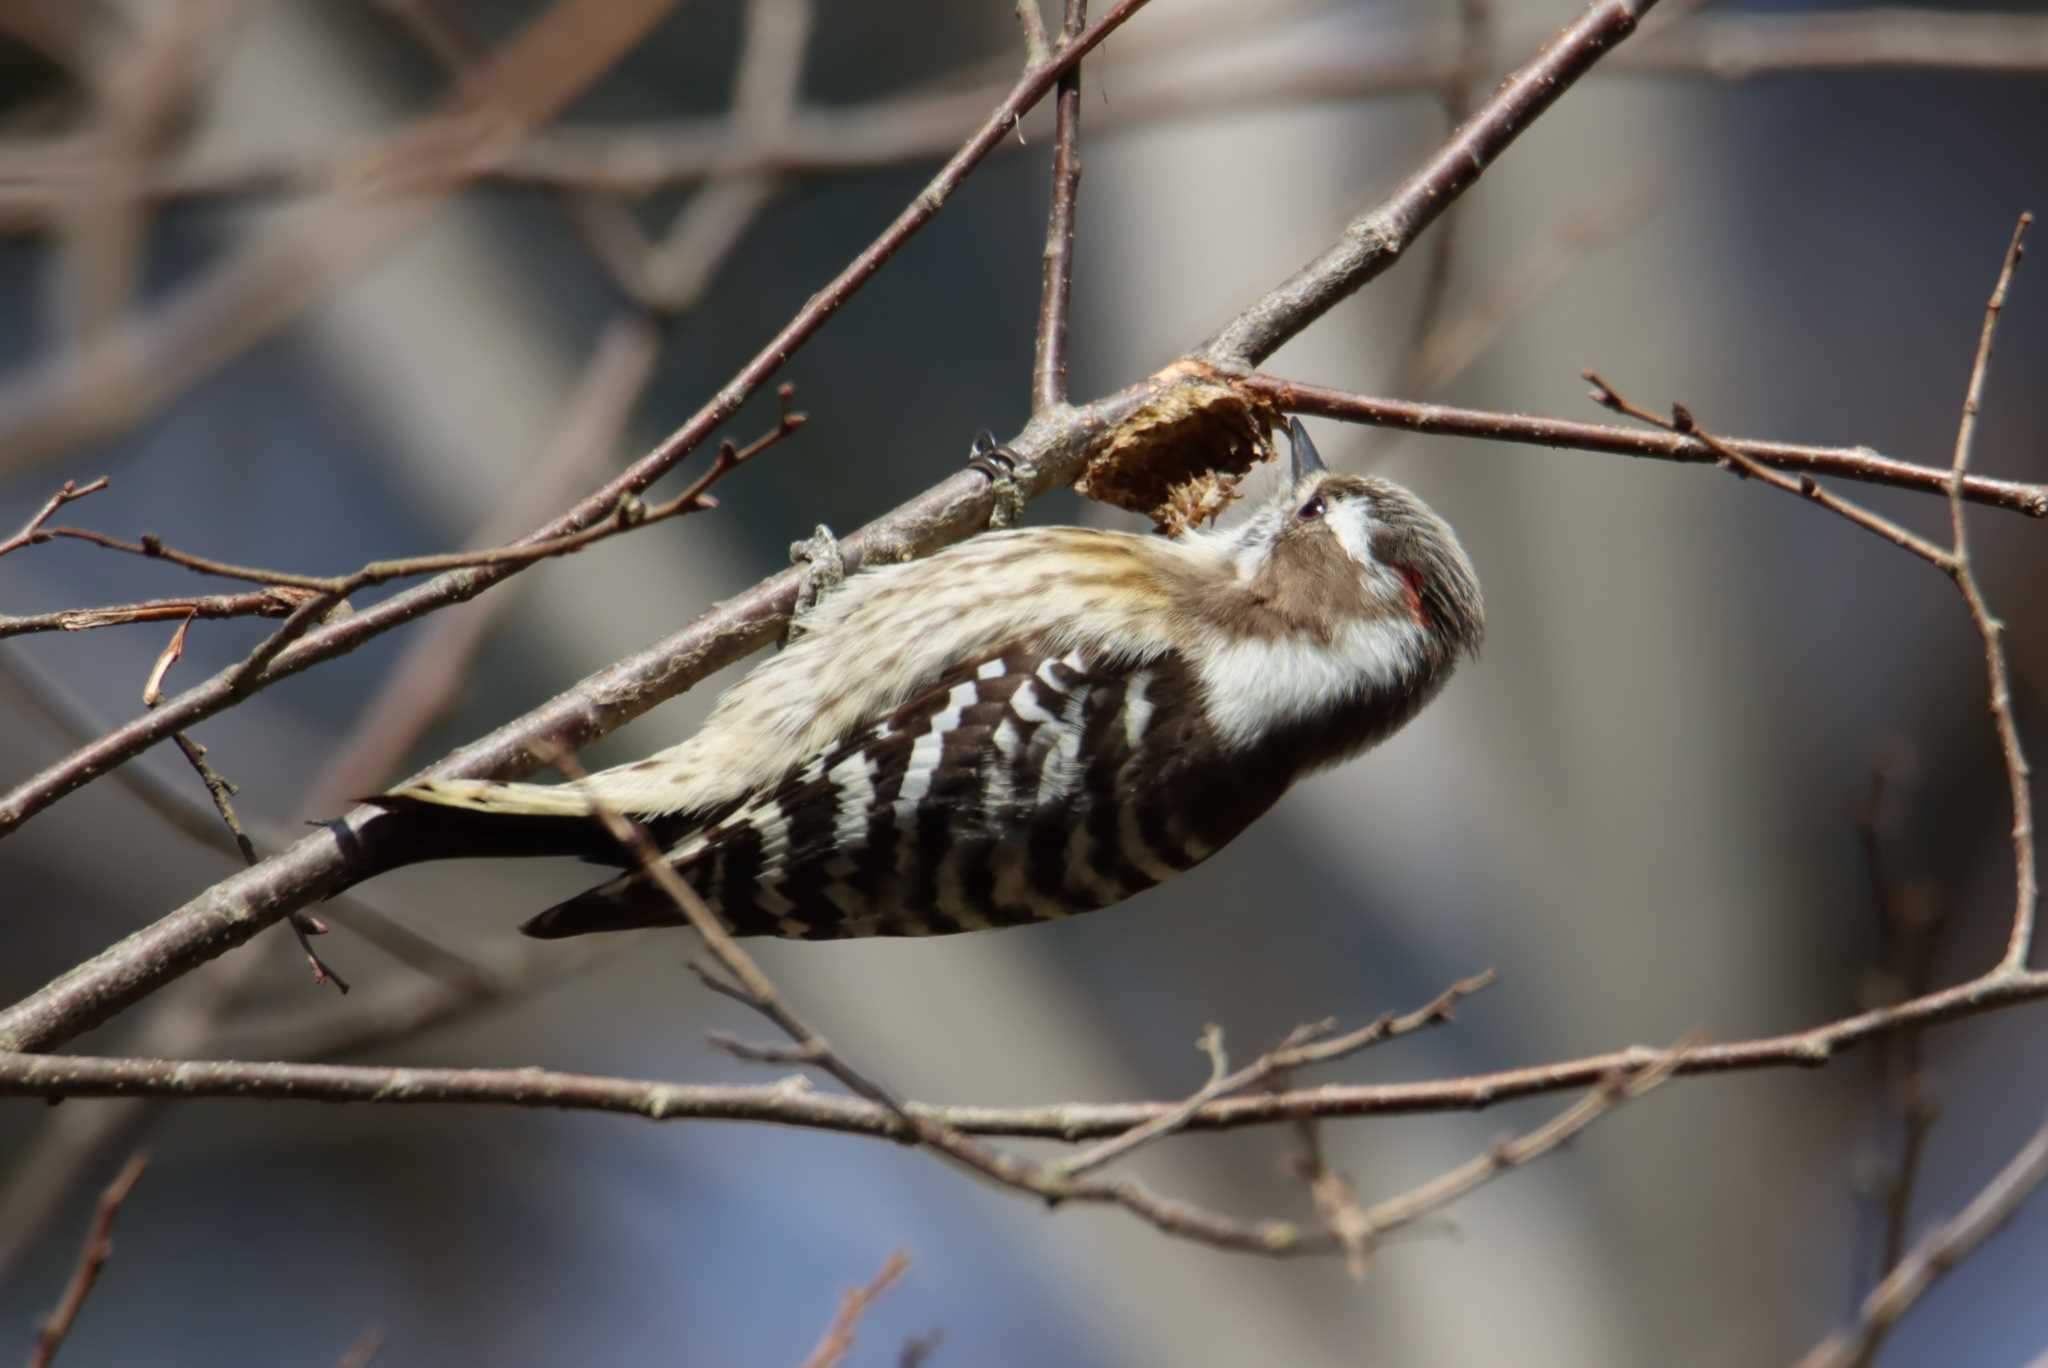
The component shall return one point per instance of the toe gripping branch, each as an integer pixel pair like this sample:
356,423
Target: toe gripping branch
824,567
1002,467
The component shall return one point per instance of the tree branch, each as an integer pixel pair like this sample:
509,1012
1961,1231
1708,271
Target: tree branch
2026,883
1303,1047
1849,463
1049,355
59,1076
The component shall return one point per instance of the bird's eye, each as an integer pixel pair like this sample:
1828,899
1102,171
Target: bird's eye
1312,509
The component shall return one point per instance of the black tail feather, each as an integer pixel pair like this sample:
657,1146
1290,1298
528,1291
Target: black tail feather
629,904
414,831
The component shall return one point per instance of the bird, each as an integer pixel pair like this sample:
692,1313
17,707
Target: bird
1030,724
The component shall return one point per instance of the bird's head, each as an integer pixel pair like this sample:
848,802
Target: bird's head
1335,549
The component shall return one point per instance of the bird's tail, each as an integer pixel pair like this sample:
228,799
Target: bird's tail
627,903
433,821
441,819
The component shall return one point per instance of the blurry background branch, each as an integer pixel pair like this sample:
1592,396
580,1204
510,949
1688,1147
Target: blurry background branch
896,129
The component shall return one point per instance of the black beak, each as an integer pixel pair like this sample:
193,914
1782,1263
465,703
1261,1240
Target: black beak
1306,460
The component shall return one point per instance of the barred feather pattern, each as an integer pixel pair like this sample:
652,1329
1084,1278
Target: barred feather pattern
1023,787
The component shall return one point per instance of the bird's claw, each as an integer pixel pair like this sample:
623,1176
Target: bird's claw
824,567
1002,467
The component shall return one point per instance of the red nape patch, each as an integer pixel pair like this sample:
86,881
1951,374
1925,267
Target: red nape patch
1415,609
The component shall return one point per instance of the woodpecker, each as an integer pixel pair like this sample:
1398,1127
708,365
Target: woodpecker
1031,724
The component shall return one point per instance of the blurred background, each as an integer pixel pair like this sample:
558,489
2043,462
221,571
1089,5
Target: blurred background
1641,805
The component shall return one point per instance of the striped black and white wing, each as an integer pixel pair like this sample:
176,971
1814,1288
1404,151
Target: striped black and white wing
1021,787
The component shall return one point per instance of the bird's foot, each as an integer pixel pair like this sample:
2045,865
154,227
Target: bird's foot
1002,467
824,567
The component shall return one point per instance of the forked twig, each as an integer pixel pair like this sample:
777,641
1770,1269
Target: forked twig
32,531
1304,1046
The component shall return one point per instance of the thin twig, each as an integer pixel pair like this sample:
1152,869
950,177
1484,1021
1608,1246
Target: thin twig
304,925
1443,420
92,1257
276,601
1334,1197
32,531
2026,882
1682,423
838,1338
1303,1047
1945,1247
1440,1192
151,547
1049,354
57,708
325,594
221,792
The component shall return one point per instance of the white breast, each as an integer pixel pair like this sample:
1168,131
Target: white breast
1252,686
